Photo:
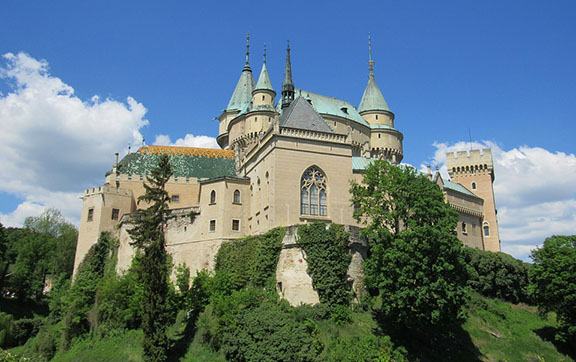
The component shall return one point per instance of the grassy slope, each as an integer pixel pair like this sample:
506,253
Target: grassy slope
508,332
495,331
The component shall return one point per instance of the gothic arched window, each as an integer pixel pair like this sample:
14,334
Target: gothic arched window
237,196
313,192
213,197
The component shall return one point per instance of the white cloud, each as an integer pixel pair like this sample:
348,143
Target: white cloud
188,141
534,191
53,144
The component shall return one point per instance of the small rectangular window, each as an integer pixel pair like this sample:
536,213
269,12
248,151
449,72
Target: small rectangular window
115,214
90,214
175,198
236,225
212,225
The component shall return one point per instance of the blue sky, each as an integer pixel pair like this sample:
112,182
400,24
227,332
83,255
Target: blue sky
502,72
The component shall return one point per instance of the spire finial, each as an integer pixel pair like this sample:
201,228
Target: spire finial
247,48
370,61
264,53
287,85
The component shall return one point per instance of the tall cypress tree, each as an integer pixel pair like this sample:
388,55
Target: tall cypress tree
148,236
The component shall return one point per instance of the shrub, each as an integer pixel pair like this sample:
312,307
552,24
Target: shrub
497,275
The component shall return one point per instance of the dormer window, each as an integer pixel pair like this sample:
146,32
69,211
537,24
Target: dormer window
344,109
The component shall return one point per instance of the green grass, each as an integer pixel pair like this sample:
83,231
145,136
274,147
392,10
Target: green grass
506,332
122,348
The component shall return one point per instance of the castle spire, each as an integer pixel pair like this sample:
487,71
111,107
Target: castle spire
242,95
287,85
247,65
372,100
264,82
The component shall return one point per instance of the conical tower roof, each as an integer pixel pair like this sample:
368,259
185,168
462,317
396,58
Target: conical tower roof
372,100
242,95
264,82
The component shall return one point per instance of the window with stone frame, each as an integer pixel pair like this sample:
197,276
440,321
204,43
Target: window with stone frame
486,228
313,192
235,225
90,214
115,214
213,197
236,197
212,225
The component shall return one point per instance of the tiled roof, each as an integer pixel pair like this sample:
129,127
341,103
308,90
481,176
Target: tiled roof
301,115
186,161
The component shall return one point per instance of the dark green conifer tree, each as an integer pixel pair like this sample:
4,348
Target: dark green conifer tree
148,236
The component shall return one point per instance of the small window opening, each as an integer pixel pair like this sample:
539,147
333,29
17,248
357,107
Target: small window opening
464,228
212,225
486,230
379,135
236,196
236,225
115,214
376,117
473,185
213,197
90,214
263,98
175,198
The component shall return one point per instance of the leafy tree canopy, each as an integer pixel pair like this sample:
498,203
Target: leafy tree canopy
415,262
553,278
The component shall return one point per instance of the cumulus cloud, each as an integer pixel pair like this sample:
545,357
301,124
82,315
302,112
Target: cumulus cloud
53,144
188,141
535,192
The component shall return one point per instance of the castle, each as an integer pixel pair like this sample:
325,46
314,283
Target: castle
282,163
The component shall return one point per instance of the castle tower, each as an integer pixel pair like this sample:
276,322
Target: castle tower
385,141
475,171
263,94
287,85
240,99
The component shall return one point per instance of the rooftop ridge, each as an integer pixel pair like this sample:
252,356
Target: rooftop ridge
187,151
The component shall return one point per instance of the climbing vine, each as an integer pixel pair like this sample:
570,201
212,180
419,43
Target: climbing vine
251,260
328,260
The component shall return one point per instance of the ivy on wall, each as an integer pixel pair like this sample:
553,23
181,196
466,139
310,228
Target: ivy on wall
328,259
251,260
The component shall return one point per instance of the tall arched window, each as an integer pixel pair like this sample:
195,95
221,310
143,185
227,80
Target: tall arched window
213,197
313,192
237,196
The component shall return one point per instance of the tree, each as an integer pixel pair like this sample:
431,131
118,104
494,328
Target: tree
148,236
64,235
415,262
553,282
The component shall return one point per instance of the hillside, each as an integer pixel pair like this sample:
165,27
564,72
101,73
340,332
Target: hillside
494,331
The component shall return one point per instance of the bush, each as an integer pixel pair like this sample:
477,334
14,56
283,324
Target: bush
553,278
497,275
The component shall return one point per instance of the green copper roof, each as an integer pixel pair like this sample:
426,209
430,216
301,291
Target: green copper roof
373,100
361,163
331,106
264,80
182,165
458,188
242,95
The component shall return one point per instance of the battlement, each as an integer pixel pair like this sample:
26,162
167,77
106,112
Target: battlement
469,161
142,177
105,189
